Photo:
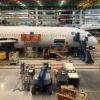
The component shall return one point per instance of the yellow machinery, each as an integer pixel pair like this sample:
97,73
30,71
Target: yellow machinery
60,51
13,57
46,53
30,53
88,3
56,49
68,93
2,55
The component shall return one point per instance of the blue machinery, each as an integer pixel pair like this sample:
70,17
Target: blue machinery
42,75
83,53
41,83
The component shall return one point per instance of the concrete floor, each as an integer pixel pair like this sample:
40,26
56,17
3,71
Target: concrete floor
9,80
90,83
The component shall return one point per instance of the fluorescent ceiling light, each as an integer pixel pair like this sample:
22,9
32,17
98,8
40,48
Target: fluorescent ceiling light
2,85
62,3
39,3
22,4
98,4
1,4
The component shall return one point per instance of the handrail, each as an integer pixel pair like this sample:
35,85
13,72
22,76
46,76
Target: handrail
84,95
65,96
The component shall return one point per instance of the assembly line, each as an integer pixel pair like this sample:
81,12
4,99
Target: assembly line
59,67
49,50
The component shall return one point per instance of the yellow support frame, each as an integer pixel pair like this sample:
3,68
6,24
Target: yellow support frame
71,91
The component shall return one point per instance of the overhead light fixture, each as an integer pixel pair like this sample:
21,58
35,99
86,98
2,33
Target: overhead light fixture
98,4
6,5
62,3
21,4
1,4
2,85
40,4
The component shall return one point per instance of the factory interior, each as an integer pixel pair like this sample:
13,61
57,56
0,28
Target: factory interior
49,49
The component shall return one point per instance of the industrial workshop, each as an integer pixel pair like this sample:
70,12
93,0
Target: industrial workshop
49,49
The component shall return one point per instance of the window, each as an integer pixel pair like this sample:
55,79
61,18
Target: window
73,33
59,41
89,35
31,33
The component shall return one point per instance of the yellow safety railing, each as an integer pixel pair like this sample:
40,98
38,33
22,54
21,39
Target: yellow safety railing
69,94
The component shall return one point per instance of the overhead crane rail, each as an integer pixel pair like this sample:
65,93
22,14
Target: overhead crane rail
88,3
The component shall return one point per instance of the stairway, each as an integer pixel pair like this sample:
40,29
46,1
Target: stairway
84,54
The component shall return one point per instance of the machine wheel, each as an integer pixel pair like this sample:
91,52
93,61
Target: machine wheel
33,90
50,90
58,58
28,87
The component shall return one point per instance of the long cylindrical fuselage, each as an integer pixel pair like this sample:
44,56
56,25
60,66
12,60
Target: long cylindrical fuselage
48,34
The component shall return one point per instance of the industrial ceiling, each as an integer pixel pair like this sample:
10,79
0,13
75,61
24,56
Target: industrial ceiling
11,4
